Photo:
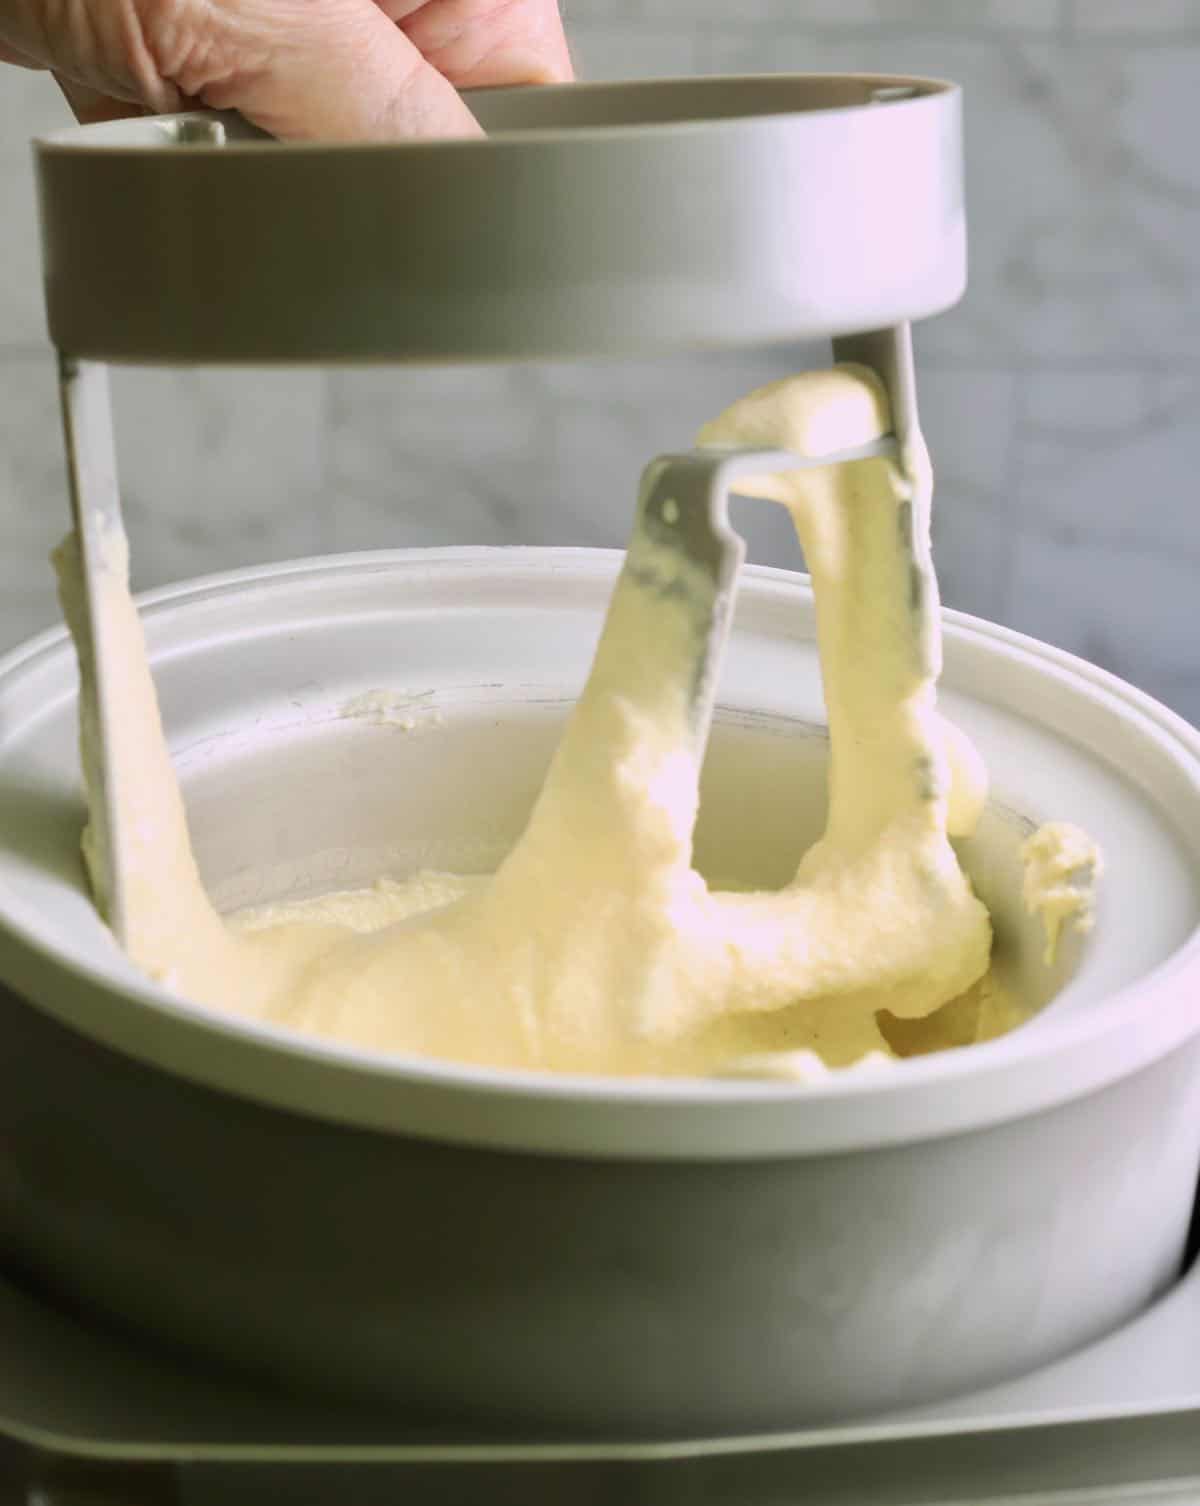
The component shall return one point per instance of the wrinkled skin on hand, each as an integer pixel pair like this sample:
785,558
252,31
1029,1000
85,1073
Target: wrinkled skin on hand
335,70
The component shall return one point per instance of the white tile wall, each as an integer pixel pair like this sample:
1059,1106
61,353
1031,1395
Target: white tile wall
1060,399
543,454
33,508
970,419
219,468
29,103
1165,18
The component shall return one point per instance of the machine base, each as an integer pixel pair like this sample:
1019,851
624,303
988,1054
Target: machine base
88,1417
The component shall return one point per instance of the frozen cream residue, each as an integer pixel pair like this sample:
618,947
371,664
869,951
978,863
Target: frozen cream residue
596,947
1062,866
407,711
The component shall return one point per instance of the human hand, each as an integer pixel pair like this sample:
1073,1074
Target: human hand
335,70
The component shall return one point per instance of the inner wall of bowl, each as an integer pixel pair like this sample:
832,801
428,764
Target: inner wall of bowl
472,658
453,791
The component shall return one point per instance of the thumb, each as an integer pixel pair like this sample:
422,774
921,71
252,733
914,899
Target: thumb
90,106
335,71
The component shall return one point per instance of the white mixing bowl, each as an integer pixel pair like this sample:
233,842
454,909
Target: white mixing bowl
635,1256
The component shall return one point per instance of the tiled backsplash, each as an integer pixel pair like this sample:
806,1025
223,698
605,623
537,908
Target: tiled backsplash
1060,400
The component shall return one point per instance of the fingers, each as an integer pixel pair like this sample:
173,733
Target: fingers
95,49
18,59
90,106
485,44
338,71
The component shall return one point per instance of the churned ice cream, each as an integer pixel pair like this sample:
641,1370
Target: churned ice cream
596,947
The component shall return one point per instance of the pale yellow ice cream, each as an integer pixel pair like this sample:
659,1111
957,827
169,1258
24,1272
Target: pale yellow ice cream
1062,864
596,947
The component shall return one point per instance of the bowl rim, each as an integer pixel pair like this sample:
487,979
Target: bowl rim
143,134
642,1118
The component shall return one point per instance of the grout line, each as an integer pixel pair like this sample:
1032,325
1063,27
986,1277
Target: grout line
923,33
1028,364
765,30
1056,366
889,31
1160,366
325,501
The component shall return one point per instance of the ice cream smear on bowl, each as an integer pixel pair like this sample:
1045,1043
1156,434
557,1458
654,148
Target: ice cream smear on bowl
596,947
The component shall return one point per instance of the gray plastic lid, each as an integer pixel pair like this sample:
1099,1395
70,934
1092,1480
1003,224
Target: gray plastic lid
594,220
